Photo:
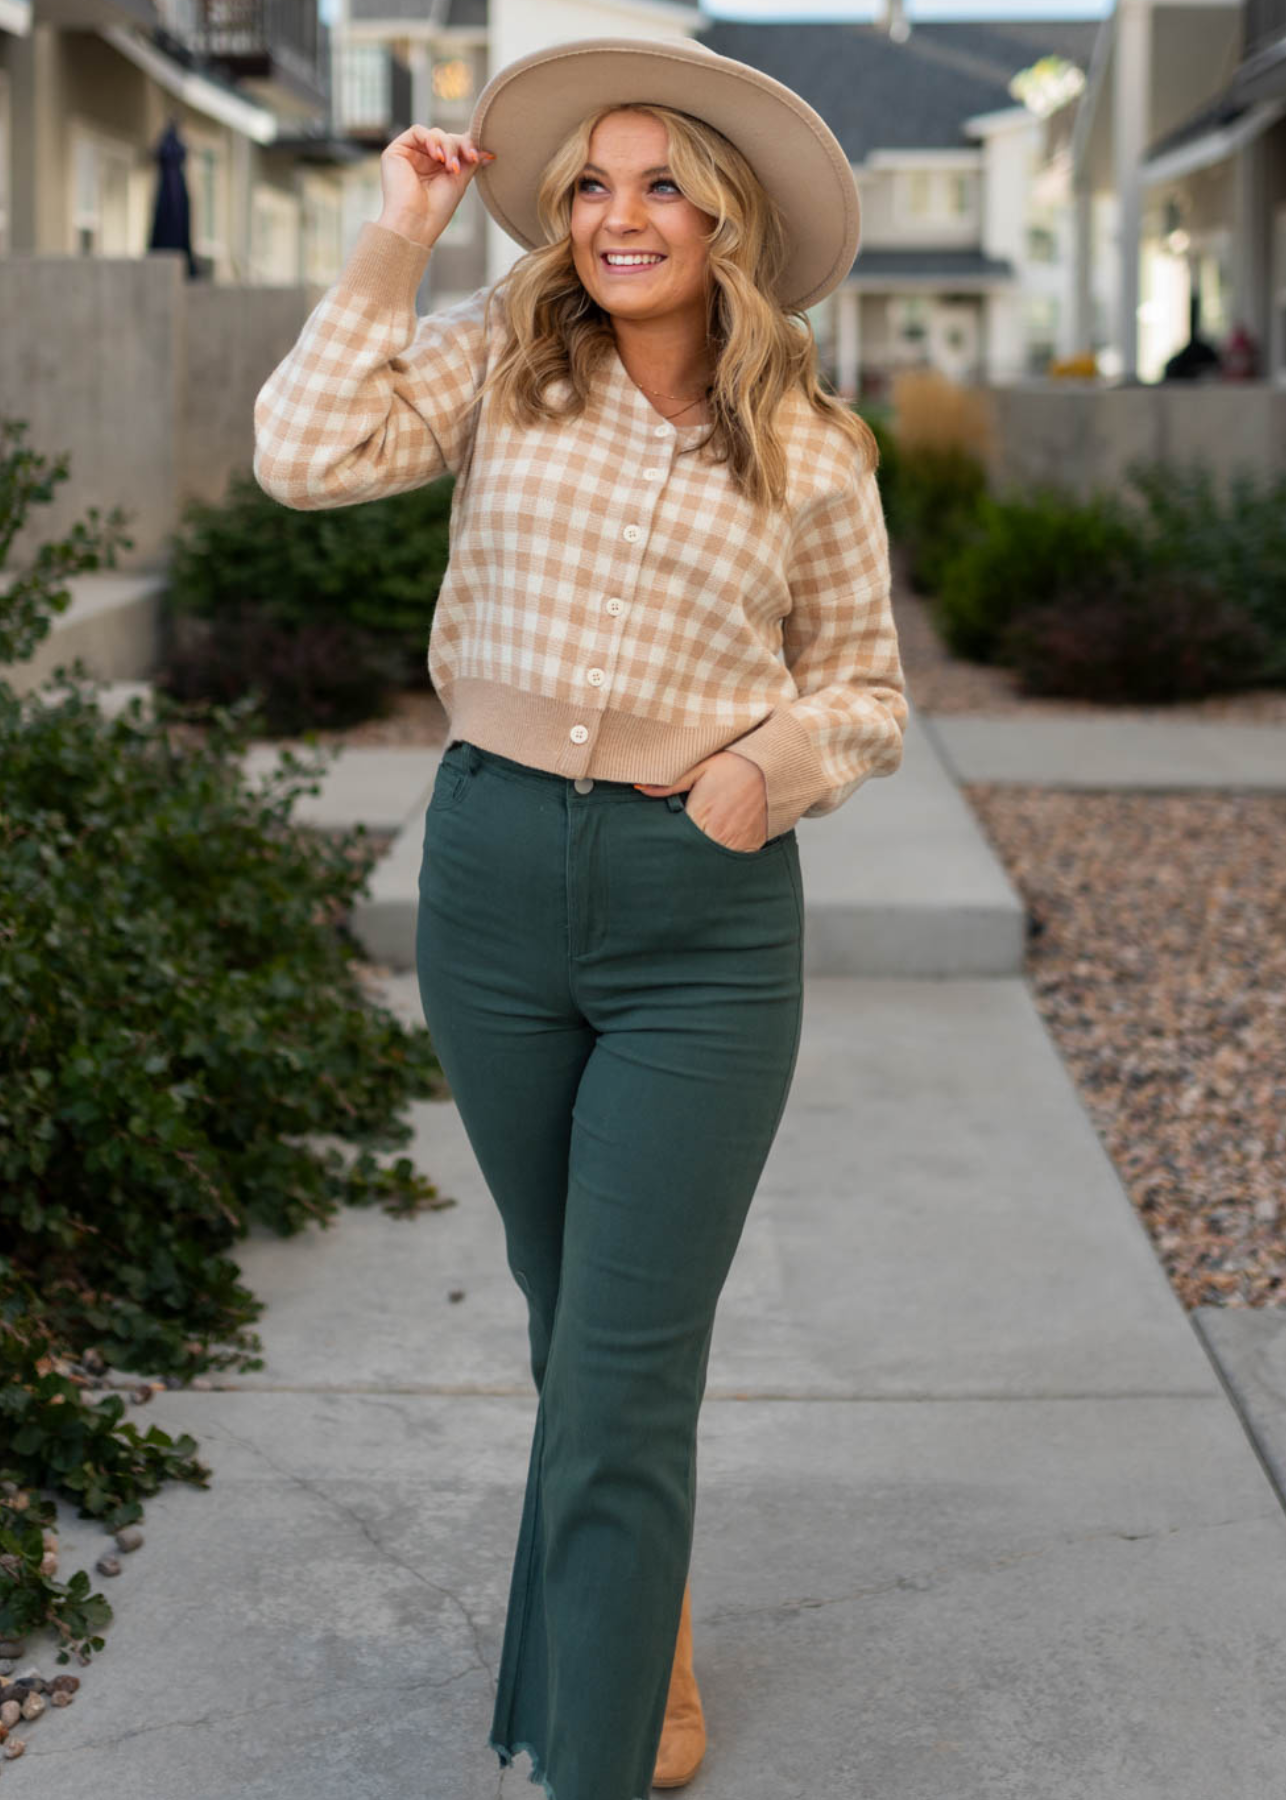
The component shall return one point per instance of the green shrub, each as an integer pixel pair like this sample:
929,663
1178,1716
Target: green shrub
936,492
1041,548
186,1049
878,418
374,568
1235,546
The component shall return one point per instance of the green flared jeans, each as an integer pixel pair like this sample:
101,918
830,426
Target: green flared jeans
616,1001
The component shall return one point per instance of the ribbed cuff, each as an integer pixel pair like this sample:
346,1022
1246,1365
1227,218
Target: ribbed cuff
793,772
384,266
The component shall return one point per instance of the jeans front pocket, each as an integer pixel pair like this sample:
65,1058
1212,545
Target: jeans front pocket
677,803
455,771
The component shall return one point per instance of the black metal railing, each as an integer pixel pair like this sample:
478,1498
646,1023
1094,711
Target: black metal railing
1265,24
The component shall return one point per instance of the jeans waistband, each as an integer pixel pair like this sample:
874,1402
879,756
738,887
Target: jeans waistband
476,757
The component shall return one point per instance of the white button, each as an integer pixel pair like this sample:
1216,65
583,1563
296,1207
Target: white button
662,431
594,677
578,733
651,474
615,606
632,533
582,784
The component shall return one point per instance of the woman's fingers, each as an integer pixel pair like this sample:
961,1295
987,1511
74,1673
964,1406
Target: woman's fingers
448,147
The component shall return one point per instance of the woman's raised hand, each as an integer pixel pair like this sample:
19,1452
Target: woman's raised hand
424,173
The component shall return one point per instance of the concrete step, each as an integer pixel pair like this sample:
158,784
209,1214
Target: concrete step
898,881
111,623
1122,748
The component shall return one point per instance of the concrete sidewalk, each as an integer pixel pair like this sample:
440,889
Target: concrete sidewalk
1107,749
976,1517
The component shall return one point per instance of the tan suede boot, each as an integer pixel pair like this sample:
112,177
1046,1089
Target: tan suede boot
683,1736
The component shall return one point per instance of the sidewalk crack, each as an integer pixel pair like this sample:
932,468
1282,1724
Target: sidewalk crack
368,1533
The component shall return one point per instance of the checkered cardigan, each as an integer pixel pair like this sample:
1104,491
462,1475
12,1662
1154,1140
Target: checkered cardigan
611,607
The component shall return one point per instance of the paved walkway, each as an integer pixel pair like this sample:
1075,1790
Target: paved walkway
1103,750
976,1517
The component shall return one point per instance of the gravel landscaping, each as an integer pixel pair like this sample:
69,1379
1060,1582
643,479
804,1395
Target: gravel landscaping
1158,961
1157,958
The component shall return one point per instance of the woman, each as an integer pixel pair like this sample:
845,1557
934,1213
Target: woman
663,636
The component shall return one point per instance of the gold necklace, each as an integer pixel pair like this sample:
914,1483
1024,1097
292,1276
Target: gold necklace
657,393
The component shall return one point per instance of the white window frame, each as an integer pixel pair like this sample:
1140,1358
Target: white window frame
1276,370
85,210
6,163
279,209
935,196
209,236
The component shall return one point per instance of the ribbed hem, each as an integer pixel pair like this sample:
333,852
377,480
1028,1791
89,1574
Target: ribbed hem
619,746
384,266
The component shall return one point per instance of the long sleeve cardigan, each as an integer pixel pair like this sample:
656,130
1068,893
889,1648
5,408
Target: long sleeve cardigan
612,607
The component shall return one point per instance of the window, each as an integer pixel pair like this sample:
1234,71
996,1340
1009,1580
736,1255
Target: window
205,189
909,317
1040,316
6,203
274,238
100,178
943,196
1277,321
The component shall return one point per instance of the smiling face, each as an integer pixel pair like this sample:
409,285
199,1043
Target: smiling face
625,201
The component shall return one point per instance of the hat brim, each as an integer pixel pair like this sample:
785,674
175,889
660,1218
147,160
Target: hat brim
528,108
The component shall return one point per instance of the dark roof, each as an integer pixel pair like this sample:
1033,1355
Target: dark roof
942,266
876,94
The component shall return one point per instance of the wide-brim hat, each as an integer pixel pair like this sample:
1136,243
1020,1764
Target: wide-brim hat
528,108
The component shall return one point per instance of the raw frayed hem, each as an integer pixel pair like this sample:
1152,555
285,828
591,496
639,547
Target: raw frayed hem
535,1775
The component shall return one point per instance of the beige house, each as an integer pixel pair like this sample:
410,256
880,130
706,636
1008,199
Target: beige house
1183,124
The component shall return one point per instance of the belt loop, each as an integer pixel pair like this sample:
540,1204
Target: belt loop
472,757
674,802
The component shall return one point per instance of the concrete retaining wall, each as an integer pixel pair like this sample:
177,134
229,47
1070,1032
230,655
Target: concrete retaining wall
145,379
1083,437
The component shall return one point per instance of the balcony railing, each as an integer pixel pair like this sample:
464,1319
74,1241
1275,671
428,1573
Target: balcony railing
1265,24
280,43
372,92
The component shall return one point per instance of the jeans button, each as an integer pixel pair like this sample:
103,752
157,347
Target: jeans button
582,784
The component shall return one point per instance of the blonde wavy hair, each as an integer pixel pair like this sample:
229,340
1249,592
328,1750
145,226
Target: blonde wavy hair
555,328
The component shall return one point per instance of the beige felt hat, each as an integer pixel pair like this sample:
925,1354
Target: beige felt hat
528,107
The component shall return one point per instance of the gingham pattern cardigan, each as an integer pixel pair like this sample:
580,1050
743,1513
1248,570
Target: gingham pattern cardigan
611,606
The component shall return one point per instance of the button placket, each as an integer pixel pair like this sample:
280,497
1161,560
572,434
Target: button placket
632,532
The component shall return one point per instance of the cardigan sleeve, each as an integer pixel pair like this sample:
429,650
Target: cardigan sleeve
841,647
372,399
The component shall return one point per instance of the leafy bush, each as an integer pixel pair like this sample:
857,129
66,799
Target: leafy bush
1155,640
1236,546
1036,549
937,495
374,569
185,1045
